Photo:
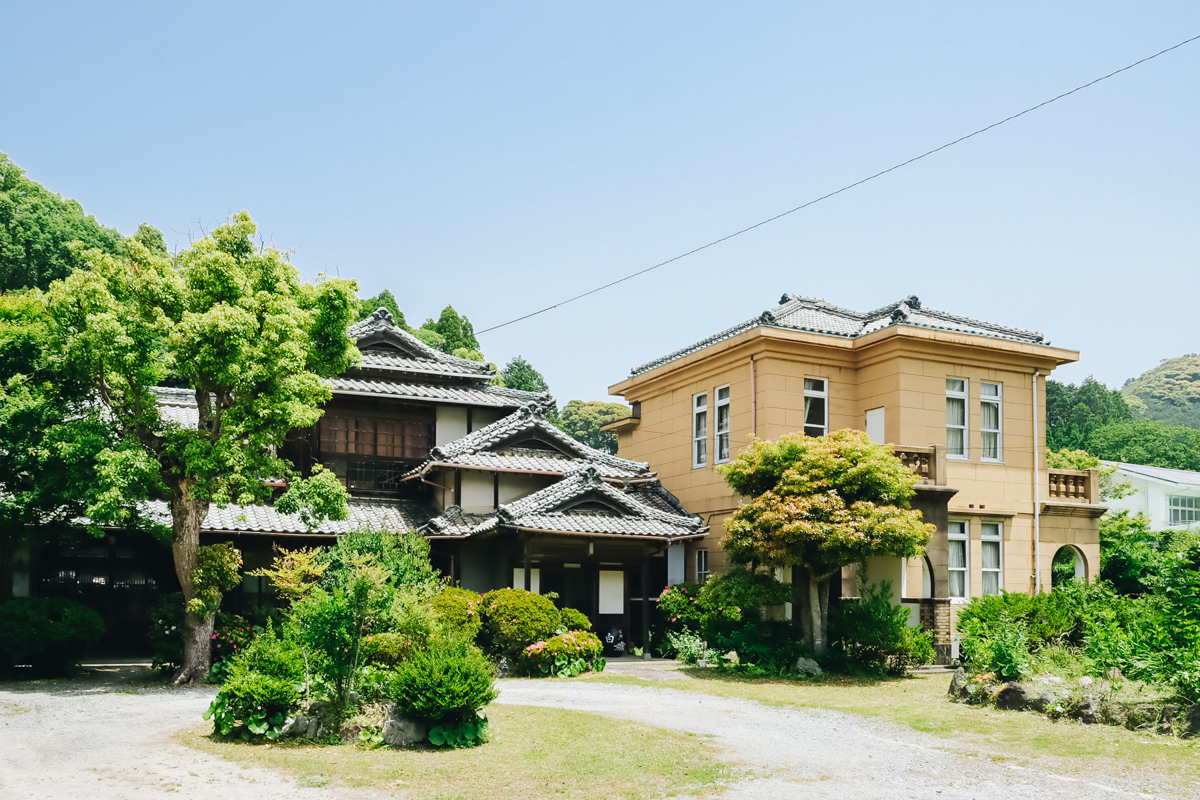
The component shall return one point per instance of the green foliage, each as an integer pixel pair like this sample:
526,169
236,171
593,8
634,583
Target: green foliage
384,299
565,655
448,683
37,228
574,620
459,611
430,337
294,572
689,647
583,420
265,682
1169,392
1149,442
232,634
740,593
1003,652
513,619
1130,559
456,331
404,556
874,634
217,571
520,374
760,649
680,605
50,634
469,354
461,734
1073,413
166,632
388,648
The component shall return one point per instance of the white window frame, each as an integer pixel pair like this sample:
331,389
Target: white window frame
721,435
998,538
998,401
824,395
701,564
963,536
1190,507
699,442
965,396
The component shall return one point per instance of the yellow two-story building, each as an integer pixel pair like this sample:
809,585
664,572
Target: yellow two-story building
961,400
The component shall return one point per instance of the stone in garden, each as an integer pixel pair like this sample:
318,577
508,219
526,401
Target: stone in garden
807,666
503,668
1042,702
958,684
1012,697
1114,674
1085,681
1054,679
401,731
1088,714
297,726
1193,720
314,727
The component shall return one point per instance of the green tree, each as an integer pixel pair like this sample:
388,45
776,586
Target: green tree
520,374
1170,392
817,505
250,338
582,420
1148,442
456,330
384,299
1073,412
37,228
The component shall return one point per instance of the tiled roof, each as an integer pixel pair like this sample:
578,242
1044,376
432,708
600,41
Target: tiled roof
818,316
1180,477
177,405
551,509
519,459
411,355
496,396
523,422
378,514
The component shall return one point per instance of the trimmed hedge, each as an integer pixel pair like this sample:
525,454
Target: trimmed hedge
513,619
51,634
459,610
575,620
448,683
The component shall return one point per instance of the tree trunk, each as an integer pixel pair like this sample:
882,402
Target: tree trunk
818,621
823,594
800,610
187,513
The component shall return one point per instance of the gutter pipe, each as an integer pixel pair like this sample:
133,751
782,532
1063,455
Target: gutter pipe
1037,500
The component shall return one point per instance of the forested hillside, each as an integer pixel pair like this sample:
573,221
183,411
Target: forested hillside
1170,392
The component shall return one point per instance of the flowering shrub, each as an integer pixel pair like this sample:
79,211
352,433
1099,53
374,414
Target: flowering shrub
680,605
459,610
513,619
565,655
166,632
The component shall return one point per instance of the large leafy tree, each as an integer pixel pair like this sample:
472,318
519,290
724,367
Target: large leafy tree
456,330
236,324
384,299
37,228
583,421
1073,412
1149,442
1170,392
817,505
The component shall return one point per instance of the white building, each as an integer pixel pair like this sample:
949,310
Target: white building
1169,497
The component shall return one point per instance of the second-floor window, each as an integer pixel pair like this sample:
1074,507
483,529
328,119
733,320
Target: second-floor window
816,407
372,436
957,539
721,434
956,418
991,550
1184,510
990,421
701,565
700,430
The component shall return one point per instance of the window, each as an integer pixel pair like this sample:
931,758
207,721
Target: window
722,431
956,418
699,430
991,549
816,407
701,565
371,436
957,539
1184,510
990,421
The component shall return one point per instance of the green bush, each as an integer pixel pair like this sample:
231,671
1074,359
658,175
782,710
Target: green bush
566,655
50,634
763,648
166,632
389,648
448,683
873,634
404,556
575,620
680,606
1004,652
742,594
265,682
513,619
458,610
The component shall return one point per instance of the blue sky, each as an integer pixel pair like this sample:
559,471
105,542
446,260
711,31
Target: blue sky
503,156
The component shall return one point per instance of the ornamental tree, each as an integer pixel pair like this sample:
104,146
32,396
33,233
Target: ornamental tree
233,322
817,505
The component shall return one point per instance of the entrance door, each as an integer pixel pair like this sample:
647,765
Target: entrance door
875,425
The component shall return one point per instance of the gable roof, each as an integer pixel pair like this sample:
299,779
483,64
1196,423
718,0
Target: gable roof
813,315
486,447
474,395
1176,477
394,515
560,509
387,346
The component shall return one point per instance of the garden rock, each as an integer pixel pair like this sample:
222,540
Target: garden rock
1087,713
1085,682
1042,702
504,668
401,731
1193,720
1012,697
958,684
807,666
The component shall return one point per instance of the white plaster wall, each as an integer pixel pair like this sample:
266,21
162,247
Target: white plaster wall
481,417
478,492
515,485
451,424
1151,498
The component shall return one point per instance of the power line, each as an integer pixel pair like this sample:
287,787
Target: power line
845,188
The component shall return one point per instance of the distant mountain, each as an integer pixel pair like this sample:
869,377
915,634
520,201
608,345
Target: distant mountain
1170,392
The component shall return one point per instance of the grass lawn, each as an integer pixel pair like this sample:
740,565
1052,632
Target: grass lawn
1021,738
533,753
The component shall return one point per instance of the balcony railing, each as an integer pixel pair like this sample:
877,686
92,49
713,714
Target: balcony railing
928,462
1074,486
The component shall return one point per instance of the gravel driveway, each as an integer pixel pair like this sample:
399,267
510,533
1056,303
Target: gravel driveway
100,742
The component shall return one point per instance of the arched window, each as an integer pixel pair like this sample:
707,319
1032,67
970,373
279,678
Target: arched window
1068,565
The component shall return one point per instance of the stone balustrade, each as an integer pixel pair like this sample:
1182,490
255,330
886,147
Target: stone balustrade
1074,486
929,463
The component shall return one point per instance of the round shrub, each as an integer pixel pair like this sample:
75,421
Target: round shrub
575,620
569,653
680,605
447,683
458,610
265,682
513,619
387,649
51,634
